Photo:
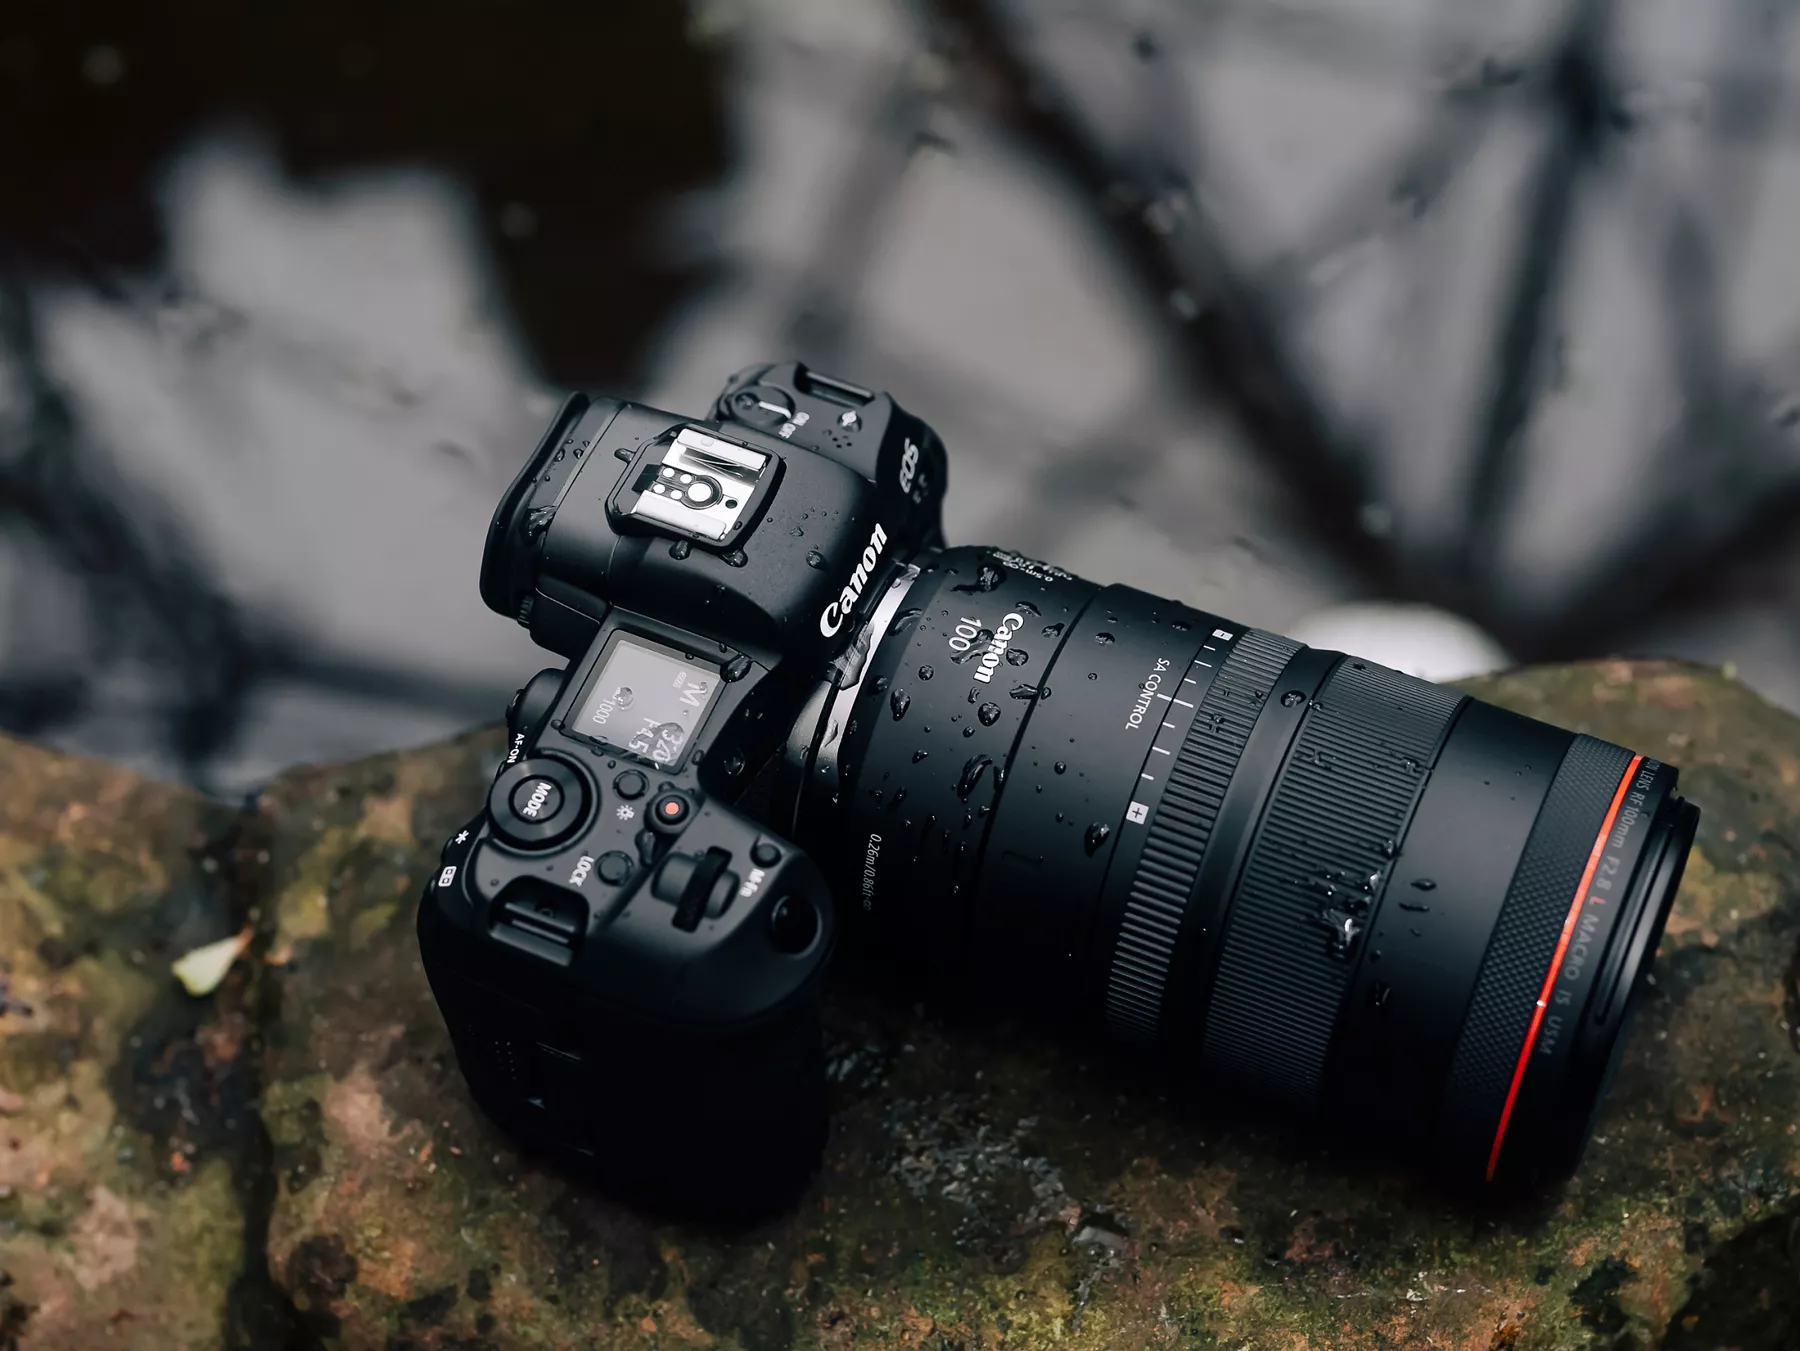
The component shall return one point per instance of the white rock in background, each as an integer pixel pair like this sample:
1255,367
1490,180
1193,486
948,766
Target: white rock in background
1420,640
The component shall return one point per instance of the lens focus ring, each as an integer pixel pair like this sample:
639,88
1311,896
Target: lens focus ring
1316,868
1176,839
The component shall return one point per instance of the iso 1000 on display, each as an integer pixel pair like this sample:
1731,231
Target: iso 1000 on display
790,711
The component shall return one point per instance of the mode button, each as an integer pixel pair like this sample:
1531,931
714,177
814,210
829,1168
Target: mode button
537,803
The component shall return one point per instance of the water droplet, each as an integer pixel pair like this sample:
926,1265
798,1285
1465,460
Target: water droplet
1417,907
1060,767
969,731
1410,765
879,685
737,668
1093,675
1024,691
976,650
900,702
919,755
1059,816
1026,607
1424,884
735,558
1017,656
989,714
1291,698
1378,994
814,559
1095,836
926,672
734,765
797,532
898,797
972,771
1389,848
537,521
1103,638
681,548
875,793
974,694
1051,630
987,577
904,621
1180,625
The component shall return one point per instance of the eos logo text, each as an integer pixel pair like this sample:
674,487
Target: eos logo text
909,465
834,614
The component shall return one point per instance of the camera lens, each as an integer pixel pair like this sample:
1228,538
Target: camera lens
1290,872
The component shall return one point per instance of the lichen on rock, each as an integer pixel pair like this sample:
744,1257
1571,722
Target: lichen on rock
985,1186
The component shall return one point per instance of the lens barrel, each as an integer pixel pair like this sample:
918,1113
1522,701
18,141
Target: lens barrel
1291,872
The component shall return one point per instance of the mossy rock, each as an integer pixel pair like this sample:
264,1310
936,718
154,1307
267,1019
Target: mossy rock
984,1186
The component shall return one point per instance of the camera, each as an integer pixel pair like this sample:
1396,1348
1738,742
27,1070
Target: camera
790,710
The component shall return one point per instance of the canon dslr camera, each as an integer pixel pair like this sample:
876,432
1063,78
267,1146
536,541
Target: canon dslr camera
789,707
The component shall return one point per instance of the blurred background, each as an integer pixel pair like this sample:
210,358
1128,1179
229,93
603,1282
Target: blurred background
1459,334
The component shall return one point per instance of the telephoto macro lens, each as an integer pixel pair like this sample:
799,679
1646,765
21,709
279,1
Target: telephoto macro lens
1367,898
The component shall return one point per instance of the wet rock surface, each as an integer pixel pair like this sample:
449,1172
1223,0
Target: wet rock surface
292,1162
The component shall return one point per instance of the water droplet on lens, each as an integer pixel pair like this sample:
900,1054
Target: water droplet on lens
734,765
1291,698
1417,907
989,714
1093,675
1051,630
880,685
797,532
1180,625
814,559
904,621
1103,638
900,702
1410,765
971,775
897,799
1096,835
968,731
1025,607
1424,884
919,755
1059,816
1389,848
1378,994
681,548
987,577
1059,767
737,668
1017,656
1024,691
926,672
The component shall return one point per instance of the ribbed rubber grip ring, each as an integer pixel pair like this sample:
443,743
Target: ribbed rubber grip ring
1176,838
1347,791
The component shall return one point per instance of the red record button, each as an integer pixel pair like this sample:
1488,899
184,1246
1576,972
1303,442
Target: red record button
671,809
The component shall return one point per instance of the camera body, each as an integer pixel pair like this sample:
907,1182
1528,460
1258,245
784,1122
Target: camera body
627,957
